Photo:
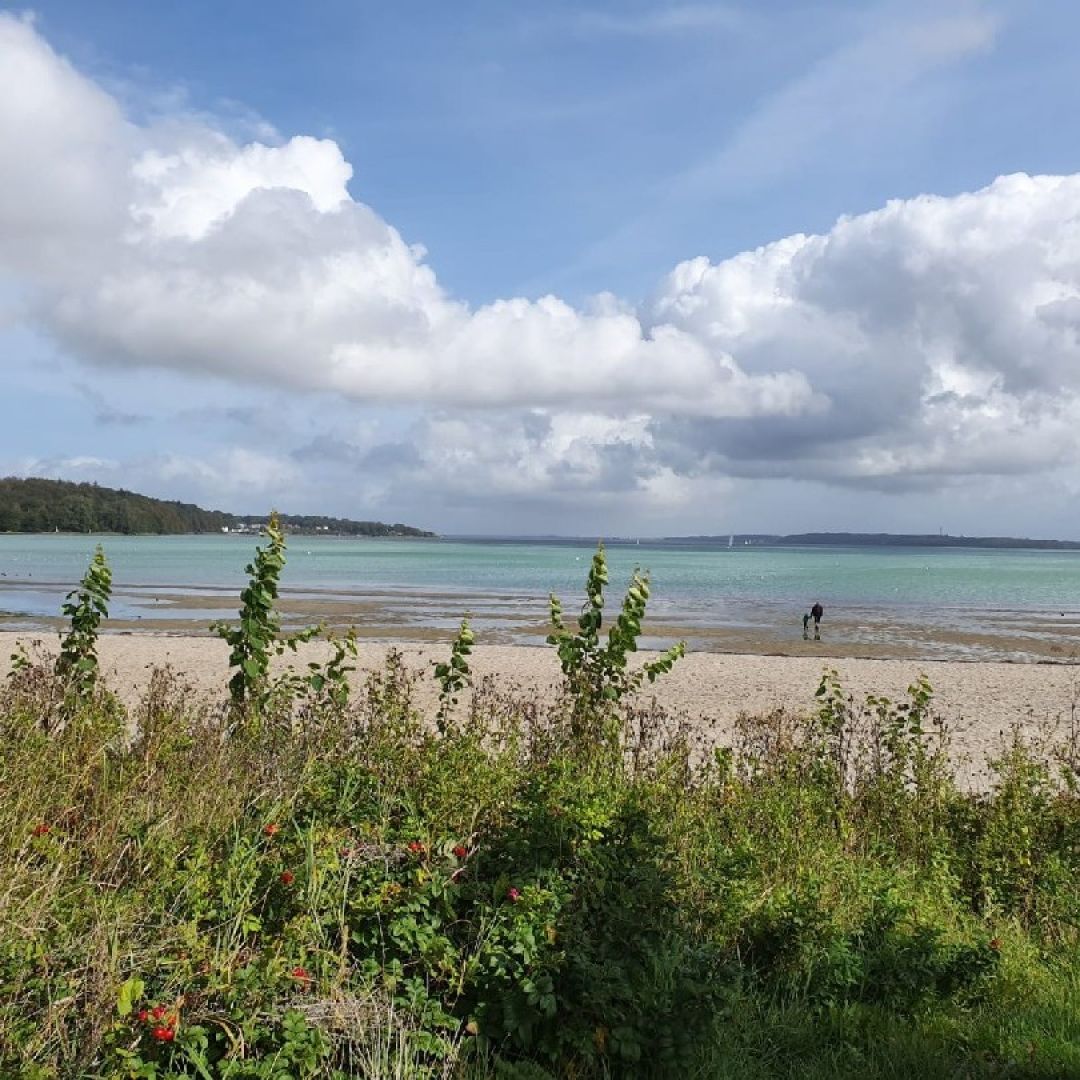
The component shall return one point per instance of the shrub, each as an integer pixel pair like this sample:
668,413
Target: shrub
85,607
598,675
256,640
454,675
252,641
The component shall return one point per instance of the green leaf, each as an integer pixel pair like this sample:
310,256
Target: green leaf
130,992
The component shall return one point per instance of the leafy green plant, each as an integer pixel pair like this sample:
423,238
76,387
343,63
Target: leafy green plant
900,726
454,675
328,681
256,640
85,607
19,661
252,641
832,726
598,673
322,689
796,945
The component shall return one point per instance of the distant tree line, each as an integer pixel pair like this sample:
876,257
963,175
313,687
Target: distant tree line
315,523
925,540
847,539
36,505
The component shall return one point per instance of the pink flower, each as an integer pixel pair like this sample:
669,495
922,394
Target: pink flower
272,829
513,895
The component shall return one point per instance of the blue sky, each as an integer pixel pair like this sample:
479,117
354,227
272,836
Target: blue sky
520,142
571,151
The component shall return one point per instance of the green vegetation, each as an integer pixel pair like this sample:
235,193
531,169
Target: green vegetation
256,639
34,505
453,676
598,676
252,641
338,888
85,607
314,523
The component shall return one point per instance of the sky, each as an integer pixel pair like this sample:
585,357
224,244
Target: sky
622,269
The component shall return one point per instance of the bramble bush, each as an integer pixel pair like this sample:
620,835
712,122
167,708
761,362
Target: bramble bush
348,888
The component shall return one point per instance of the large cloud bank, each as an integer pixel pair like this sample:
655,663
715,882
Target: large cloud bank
932,339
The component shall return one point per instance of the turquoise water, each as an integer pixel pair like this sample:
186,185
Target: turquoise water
704,587
690,577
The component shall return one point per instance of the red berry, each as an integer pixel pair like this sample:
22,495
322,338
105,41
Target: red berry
272,829
157,1012
287,877
143,1016
163,1034
415,847
461,852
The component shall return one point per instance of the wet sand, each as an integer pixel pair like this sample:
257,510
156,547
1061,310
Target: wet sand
510,619
979,700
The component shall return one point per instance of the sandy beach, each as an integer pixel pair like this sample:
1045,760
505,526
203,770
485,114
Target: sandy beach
981,701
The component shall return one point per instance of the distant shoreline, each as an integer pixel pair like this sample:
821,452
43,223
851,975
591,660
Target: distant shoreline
740,541
253,534
735,541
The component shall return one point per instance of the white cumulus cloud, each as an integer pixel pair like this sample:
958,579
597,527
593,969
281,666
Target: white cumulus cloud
254,261
935,338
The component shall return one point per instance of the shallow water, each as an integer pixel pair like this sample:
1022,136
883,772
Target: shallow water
948,602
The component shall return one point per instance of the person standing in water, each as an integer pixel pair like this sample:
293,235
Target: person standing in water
815,613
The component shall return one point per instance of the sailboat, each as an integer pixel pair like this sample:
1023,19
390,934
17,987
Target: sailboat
731,541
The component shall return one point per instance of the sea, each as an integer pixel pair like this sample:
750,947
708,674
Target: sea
966,603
